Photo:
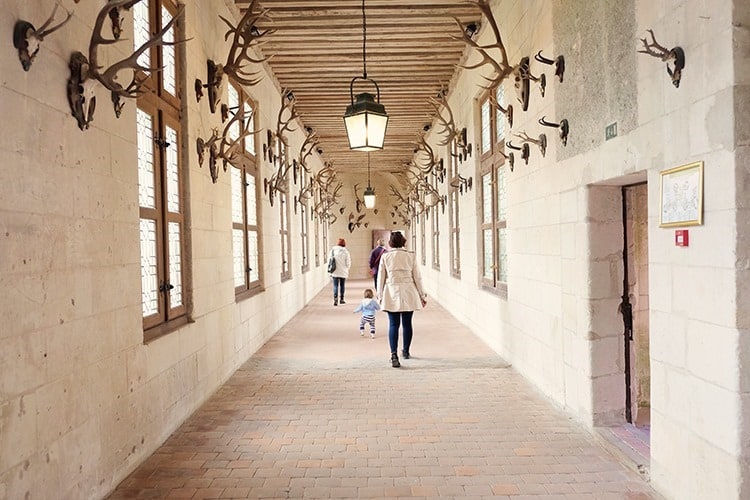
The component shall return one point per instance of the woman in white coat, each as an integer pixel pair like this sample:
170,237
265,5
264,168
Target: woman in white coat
400,293
339,275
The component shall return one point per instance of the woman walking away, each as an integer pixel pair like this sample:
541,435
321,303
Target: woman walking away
339,275
400,293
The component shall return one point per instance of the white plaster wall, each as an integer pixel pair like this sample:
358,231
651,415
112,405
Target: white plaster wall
82,399
559,325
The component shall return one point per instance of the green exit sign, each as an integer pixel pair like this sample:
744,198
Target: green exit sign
611,131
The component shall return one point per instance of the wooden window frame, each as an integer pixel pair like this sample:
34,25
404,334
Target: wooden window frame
284,219
435,226
423,237
247,164
304,226
164,108
491,162
316,239
453,211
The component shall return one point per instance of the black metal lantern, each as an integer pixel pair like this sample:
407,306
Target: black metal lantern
365,118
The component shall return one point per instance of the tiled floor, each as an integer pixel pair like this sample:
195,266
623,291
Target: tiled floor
318,413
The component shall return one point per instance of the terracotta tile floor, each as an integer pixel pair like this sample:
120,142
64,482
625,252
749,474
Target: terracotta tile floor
318,412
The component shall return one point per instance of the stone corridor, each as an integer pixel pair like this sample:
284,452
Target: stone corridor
319,412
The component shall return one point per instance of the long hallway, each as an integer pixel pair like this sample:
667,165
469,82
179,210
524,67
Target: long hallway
318,412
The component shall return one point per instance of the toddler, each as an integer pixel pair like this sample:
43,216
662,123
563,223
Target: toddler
368,307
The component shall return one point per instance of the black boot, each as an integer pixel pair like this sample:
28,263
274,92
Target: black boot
394,360
335,301
342,300
405,354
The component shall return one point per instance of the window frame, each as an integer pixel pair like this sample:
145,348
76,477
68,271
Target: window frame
435,227
284,217
164,110
304,225
492,163
422,220
246,162
453,210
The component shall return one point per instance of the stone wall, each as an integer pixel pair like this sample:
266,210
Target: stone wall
559,324
83,399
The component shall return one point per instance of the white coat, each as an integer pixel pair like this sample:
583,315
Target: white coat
399,283
343,262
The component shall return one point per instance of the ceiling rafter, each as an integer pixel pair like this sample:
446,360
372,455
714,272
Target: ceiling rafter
317,50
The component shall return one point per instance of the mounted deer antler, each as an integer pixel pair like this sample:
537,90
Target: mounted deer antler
563,126
223,146
522,78
328,193
541,142
306,192
423,147
287,114
452,134
84,71
559,63
245,36
502,68
541,80
675,54
463,183
508,112
510,158
116,17
524,149
28,39
308,147
283,125
405,205
232,140
448,125
359,202
355,223
209,144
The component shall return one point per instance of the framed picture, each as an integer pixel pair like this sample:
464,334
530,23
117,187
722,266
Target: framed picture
681,200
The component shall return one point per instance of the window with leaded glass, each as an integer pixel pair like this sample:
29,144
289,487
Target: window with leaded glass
316,238
435,218
453,216
284,222
492,194
246,231
325,226
413,232
304,225
422,238
160,175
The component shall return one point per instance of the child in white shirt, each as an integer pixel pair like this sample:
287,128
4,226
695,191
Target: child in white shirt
368,307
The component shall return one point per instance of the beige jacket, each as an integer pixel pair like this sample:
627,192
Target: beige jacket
399,283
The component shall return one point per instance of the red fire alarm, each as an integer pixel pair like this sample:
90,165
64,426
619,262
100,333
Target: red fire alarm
681,237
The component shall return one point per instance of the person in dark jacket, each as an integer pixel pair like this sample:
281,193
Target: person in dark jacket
374,263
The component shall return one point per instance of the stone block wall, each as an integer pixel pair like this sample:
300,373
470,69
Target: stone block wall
559,324
83,399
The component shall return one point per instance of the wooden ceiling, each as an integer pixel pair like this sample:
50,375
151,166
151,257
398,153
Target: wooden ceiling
316,51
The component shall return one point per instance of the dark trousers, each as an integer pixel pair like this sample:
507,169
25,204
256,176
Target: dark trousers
339,287
395,320
375,281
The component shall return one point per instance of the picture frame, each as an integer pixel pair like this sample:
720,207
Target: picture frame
681,196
